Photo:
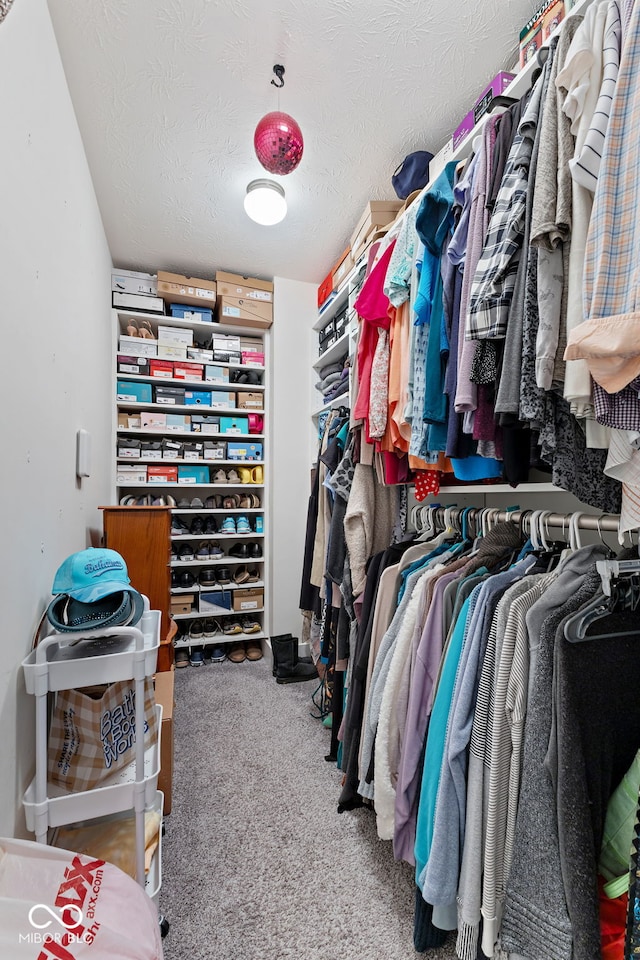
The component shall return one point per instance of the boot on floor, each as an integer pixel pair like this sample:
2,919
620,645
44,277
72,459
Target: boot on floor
287,667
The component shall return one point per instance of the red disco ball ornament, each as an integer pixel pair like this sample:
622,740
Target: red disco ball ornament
278,143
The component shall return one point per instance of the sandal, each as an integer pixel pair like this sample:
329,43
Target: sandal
145,331
253,575
132,329
231,502
241,575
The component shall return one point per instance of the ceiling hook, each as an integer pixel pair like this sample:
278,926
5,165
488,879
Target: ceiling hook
278,69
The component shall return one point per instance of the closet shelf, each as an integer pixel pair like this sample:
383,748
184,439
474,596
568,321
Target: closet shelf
195,511
199,384
190,486
199,462
221,561
198,326
213,615
194,408
341,401
496,488
189,434
198,588
338,349
217,638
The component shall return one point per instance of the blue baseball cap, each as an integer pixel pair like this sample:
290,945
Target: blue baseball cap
91,575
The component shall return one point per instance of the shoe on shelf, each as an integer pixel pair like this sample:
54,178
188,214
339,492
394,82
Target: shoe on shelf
233,476
249,625
178,527
240,550
208,578
185,552
215,551
144,330
132,328
196,630
231,502
197,504
243,525
255,551
210,526
210,627
237,653
219,477
175,580
218,655
184,504
241,575
231,628
174,552
224,575
187,579
253,649
196,658
253,575
214,502
202,553
197,526
228,526
181,658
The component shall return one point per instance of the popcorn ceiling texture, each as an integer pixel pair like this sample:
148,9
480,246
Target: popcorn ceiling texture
168,92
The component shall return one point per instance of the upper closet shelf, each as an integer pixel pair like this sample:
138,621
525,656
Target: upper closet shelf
197,326
339,349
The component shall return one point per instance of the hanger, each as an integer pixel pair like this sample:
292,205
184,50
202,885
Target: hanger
620,580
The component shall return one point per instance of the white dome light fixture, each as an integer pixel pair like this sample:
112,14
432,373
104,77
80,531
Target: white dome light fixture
265,202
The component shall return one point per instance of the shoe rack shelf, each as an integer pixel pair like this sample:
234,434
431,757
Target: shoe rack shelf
218,639
202,332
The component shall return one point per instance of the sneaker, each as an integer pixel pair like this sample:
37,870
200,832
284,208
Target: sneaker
224,575
228,526
230,629
187,579
181,658
215,551
175,579
184,504
197,526
186,552
211,627
196,630
218,655
208,578
202,553
210,526
178,526
249,625
243,525
174,552
196,658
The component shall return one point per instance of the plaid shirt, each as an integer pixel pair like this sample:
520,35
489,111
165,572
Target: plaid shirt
495,276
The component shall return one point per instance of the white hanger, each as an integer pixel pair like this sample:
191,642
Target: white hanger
575,540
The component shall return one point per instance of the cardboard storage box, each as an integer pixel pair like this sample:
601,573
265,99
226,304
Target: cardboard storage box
130,281
171,449
205,424
164,691
251,344
192,451
188,371
234,425
137,302
199,354
244,451
170,395
133,391
182,602
541,25
325,290
212,601
226,343
161,368
178,421
129,449
252,359
175,335
197,397
151,450
153,421
377,213
136,365
193,474
225,356
214,374
250,599
161,473
250,401
214,450
190,290
171,351
341,268
221,400
192,314
245,301
131,473
138,346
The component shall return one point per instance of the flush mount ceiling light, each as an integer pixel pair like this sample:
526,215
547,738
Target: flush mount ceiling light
265,202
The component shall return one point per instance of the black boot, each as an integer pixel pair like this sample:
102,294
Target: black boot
296,658
286,666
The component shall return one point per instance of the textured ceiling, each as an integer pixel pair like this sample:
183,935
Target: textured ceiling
168,93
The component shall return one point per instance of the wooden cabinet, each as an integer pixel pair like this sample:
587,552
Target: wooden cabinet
142,535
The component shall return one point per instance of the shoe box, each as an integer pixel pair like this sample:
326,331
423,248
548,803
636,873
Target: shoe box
131,281
199,354
129,421
171,351
250,401
171,449
162,473
185,312
170,395
252,351
250,599
234,425
188,371
245,301
214,450
223,401
193,474
128,449
226,349
164,693
130,390
213,374
136,301
151,449
183,602
140,366
244,451
215,601
174,336
192,450
202,398
205,424
161,368
131,473
137,347
192,291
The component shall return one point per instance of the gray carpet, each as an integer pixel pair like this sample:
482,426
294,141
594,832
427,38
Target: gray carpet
257,863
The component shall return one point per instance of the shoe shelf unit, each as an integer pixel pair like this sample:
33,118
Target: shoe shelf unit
197,485
76,660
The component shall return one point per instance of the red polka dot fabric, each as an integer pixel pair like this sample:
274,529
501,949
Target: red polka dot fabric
427,482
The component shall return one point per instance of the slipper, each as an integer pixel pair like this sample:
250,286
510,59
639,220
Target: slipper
219,477
253,575
232,476
253,650
241,575
236,654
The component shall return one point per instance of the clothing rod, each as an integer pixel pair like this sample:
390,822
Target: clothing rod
609,521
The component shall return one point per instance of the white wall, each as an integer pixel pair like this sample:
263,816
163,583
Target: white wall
295,310
55,293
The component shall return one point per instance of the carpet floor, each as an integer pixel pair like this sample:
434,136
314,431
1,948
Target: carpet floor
257,863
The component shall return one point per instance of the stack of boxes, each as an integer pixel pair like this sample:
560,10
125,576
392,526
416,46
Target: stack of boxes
540,27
